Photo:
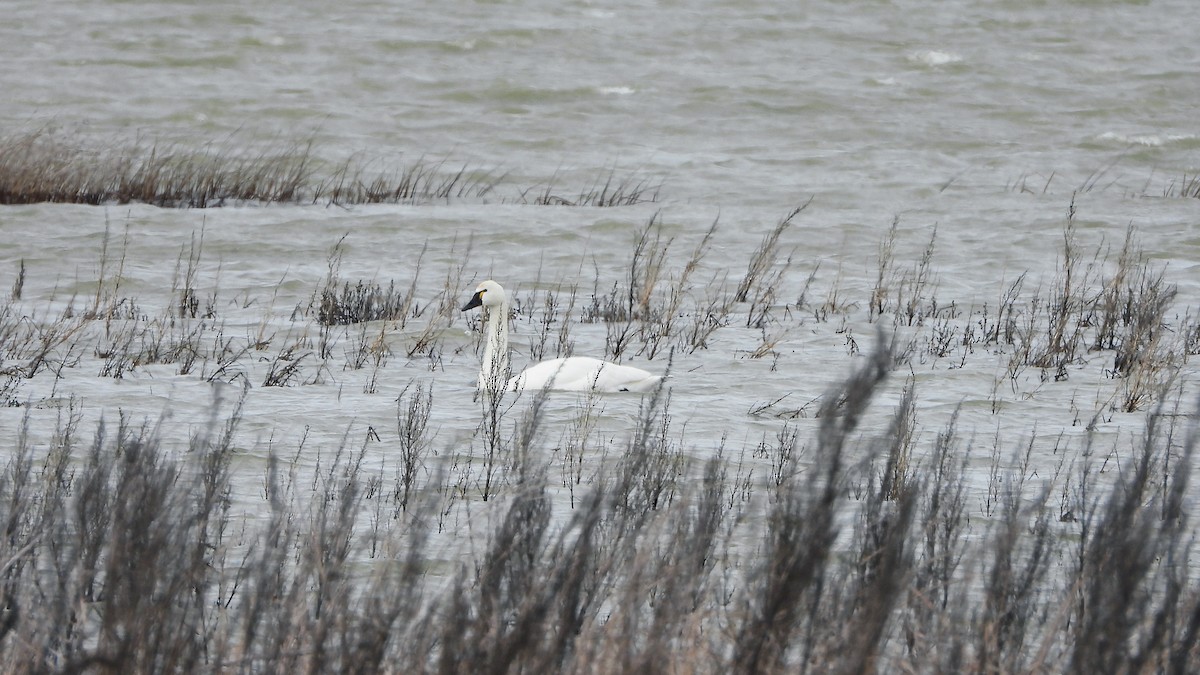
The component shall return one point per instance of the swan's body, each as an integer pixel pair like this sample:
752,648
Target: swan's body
575,373
581,373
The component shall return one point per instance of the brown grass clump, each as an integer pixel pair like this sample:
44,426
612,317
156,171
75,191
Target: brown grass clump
39,167
44,166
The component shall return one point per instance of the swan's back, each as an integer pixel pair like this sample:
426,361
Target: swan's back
582,373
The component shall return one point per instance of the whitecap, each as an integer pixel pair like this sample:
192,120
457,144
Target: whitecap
615,91
933,57
1145,140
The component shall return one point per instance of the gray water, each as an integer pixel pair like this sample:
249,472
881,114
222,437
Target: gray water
981,121
733,104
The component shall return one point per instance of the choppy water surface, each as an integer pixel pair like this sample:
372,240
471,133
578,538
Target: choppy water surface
981,121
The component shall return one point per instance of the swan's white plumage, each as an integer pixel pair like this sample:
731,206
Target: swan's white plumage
582,373
574,373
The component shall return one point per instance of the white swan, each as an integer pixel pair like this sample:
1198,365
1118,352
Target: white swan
575,373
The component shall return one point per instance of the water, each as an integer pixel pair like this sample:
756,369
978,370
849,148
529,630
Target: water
978,120
732,103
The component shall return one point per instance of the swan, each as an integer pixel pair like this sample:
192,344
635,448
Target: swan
575,373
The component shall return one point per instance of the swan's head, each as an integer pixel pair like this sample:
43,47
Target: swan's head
488,294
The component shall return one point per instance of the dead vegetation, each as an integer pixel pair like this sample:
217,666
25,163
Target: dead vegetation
46,166
1105,311
611,190
852,544
122,557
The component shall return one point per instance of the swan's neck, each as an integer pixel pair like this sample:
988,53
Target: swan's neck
493,376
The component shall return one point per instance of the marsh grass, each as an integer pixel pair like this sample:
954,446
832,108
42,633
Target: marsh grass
364,301
1186,186
122,556
764,274
45,165
40,166
420,182
848,539
1112,309
906,294
656,309
1122,317
609,190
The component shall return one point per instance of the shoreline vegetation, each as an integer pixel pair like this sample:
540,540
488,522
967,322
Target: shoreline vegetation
42,166
47,166
830,546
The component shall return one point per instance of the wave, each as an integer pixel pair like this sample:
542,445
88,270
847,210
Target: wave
1149,140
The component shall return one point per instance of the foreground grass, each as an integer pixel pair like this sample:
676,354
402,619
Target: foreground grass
118,557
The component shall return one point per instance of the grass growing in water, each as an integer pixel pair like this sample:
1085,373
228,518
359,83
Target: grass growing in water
121,557
831,549
43,166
